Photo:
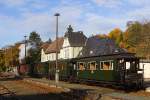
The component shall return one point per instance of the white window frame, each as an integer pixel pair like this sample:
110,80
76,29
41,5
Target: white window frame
111,64
79,63
92,62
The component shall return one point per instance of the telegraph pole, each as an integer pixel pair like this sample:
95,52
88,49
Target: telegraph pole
57,71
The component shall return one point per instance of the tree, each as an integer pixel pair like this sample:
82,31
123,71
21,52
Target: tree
2,61
102,36
9,57
133,34
70,29
35,39
34,53
143,47
117,35
137,37
49,41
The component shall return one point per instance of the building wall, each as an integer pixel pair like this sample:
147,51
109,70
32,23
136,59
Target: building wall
43,56
22,51
70,52
67,52
146,69
66,43
48,57
77,51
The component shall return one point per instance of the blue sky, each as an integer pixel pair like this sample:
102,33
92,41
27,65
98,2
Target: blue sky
20,17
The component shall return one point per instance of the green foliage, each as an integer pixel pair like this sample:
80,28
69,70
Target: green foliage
134,34
34,53
2,61
119,39
42,68
10,56
3,68
116,35
35,38
137,37
49,41
70,29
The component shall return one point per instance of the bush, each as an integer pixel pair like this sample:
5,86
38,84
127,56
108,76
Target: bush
3,69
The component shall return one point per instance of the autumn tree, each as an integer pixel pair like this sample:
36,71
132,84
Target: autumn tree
102,36
9,57
137,37
2,61
116,35
134,32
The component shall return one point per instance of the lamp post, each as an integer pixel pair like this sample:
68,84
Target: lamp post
57,71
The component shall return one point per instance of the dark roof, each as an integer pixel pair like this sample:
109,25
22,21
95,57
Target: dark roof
95,47
76,38
52,47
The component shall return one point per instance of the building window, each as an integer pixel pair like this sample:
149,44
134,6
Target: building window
74,66
81,66
47,57
66,53
106,65
52,57
92,65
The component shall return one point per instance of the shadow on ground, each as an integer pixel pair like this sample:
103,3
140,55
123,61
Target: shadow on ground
72,95
11,79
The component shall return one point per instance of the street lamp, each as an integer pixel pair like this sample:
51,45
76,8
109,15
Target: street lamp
57,71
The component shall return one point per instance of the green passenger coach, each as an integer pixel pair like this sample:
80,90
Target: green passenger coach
117,69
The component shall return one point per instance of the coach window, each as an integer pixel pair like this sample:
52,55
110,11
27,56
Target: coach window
74,66
81,66
106,65
62,67
92,65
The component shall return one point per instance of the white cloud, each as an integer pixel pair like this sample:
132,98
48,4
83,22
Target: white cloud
80,15
108,3
139,3
25,5
139,14
11,3
42,22
100,24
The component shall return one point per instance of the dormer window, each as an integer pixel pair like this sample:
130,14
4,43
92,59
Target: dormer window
116,51
91,52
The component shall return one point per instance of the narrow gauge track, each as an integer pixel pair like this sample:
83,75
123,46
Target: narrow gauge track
21,90
6,94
